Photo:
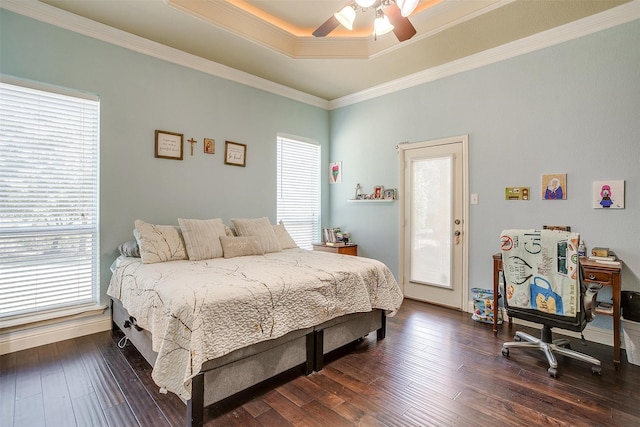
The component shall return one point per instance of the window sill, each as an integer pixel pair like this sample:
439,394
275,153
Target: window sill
20,322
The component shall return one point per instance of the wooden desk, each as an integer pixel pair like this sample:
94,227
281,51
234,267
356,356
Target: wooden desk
594,272
349,249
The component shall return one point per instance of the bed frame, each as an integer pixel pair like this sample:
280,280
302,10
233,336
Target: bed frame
248,366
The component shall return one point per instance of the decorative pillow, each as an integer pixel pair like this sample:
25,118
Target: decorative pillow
202,237
284,238
130,249
159,243
262,229
240,246
229,231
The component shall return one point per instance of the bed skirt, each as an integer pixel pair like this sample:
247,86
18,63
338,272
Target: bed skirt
227,375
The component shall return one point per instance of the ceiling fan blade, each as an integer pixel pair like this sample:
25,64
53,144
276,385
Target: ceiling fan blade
328,26
402,27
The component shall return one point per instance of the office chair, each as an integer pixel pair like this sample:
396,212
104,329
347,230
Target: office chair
543,284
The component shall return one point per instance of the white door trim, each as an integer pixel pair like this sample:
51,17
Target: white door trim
464,139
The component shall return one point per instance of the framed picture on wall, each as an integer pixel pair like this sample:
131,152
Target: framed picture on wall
554,186
608,194
209,146
235,153
168,145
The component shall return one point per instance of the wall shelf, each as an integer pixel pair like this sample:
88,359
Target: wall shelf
371,200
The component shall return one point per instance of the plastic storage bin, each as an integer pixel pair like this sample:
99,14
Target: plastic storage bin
483,306
631,334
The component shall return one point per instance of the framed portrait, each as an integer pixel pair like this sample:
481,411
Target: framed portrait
235,154
378,192
554,186
168,145
608,194
209,146
390,193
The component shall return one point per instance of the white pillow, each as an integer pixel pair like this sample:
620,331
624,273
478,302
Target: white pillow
284,238
202,237
262,229
159,243
240,246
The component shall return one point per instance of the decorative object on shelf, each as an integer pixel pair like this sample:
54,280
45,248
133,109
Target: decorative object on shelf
516,193
554,186
192,141
235,154
377,192
390,193
608,194
335,172
358,194
209,146
168,145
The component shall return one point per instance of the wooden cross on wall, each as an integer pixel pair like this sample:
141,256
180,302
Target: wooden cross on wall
192,141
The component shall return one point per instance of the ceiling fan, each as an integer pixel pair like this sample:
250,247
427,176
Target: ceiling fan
391,15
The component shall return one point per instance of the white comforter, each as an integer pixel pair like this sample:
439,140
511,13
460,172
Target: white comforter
200,310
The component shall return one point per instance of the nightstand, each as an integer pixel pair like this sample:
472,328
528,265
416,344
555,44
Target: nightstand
344,250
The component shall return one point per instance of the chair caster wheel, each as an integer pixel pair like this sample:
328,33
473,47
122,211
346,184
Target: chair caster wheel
505,352
596,370
553,372
517,338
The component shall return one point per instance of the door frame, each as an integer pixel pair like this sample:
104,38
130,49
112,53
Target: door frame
464,139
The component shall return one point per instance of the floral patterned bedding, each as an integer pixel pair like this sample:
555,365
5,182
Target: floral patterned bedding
200,310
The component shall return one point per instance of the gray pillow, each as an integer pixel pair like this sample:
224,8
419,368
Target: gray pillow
129,249
284,238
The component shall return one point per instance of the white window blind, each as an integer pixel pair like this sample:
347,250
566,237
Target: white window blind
299,190
48,199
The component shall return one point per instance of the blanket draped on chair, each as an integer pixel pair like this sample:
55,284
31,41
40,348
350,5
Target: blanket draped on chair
539,278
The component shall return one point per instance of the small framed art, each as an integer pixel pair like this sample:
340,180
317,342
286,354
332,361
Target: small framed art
209,146
608,194
168,145
390,194
378,192
235,153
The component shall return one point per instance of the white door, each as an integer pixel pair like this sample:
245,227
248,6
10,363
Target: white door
433,230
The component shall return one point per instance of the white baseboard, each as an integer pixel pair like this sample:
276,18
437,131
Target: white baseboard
59,331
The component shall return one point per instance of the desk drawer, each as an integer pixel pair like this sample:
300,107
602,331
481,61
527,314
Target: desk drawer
597,276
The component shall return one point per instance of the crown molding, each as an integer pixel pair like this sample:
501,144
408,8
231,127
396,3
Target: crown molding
610,18
59,18
51,15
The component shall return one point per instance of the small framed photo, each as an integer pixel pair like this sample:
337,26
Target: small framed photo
554,186
235,153
378,192
209,146
608,194
168,145
390,194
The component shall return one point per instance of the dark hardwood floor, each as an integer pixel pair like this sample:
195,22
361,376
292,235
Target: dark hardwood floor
436,367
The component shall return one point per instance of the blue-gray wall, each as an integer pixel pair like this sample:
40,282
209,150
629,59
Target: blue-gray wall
139,94
573,108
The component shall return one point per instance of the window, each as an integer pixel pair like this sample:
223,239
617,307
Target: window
299,189
48,199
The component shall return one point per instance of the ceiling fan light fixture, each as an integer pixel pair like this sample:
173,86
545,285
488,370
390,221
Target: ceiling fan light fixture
407,6
346,16
381,25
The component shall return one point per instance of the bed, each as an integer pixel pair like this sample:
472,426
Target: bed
213,327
